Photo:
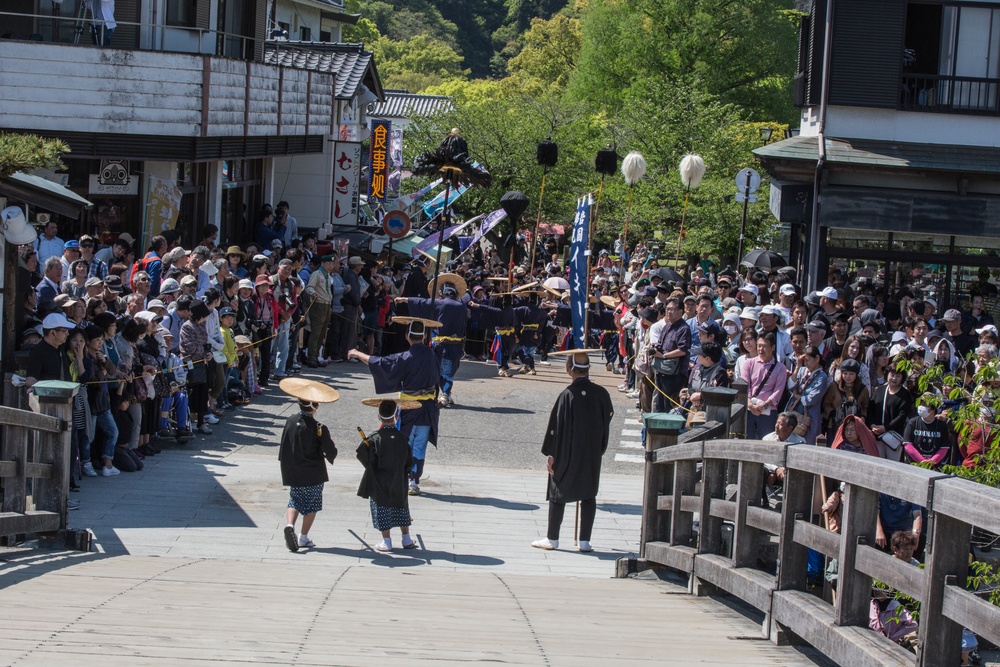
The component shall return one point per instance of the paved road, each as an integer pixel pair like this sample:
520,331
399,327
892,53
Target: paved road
498,422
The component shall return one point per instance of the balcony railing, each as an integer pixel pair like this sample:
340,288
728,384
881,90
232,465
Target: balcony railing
949,94
130,35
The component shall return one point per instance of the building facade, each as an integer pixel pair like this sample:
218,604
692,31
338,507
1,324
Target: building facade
895,175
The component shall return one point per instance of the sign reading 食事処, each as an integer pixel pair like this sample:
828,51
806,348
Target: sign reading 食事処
378,161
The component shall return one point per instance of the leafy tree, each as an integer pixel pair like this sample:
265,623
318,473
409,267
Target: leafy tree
27,151
417,63
550,51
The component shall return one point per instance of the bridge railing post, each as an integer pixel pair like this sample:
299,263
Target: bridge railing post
661,431
54,398
947,554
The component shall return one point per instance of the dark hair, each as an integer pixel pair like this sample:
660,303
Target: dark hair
746,332
705,297
211,294
798,331
813,352
132,330
676,301
208,230
75,331
790,417
769,338
105,320
157,243
904,539
230,282
294,254
712,350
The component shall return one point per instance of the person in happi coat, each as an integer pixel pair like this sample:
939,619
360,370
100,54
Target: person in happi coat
449,339
531,321
414,373
387,460
575,441
499,315
306,446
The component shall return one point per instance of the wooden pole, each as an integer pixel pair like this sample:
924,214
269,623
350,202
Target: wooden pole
590,249
628,211
445,220
538,220
680,236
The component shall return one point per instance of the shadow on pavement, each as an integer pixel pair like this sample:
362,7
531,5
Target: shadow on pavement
476,500
409,557
620,508
498,411
20,565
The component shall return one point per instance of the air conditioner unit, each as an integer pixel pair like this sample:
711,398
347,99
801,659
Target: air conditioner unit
42,218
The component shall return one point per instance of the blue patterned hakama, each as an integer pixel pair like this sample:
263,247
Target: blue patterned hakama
385,518
306,499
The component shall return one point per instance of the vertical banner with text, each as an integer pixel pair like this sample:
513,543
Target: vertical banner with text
396,163
378,161
578,260
346,183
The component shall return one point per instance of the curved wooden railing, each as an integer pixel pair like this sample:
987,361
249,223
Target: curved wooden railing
763,559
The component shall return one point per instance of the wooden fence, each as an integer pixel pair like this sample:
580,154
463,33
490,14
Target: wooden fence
35,468
676,492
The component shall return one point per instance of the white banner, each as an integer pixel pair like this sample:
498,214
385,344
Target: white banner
346,183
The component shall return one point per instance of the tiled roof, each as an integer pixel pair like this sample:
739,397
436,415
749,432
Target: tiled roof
349,62
886,154
403,104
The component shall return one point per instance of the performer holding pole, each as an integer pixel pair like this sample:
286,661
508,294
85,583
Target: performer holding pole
414,374
387,460
575,441
306,445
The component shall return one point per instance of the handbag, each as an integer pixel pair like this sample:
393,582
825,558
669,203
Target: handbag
889,442
663,366
802,427
197,374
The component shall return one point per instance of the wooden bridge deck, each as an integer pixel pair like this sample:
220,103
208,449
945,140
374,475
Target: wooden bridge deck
73,608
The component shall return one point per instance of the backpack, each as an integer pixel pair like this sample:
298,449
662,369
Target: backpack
141,265
845,409
236,393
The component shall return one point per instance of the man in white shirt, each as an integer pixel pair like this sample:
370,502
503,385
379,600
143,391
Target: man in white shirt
71,253
48,244
291,225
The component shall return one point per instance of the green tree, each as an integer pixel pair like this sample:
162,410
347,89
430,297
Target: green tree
417,63
27,151
551,48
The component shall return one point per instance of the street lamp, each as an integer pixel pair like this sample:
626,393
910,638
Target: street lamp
765,134
791,133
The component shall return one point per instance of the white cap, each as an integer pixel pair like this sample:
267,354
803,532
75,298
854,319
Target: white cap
787,288
147,316
209,269
769,310
749,287
57,321
246,283
898,336
989,328
749,313
155,303
829,293
931,301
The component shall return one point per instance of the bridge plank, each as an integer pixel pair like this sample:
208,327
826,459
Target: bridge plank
973,503
754,451
764,519
12,523
899,574
685,452
972,612
678,557
811,618
752,586
723,509
816,538
29,420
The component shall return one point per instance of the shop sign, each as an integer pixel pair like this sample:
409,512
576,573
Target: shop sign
378,160
163,206
114,178
346,183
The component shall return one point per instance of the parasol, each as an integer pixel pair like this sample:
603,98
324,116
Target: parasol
763,259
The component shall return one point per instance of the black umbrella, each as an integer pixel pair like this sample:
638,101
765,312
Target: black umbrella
763,259
514,204
668,275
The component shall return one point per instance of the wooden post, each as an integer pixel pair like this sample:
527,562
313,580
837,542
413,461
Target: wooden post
718,403
661,431
14,449
737,428
854,588
797,505
947,554
746,538
55,398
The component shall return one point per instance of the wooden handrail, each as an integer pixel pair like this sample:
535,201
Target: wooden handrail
671,539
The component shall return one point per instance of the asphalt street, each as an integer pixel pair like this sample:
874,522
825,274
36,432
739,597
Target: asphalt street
497,423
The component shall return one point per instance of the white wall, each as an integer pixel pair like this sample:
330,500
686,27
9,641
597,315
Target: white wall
904,126
305,182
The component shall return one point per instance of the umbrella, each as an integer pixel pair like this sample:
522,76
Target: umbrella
668,275
763,259
555,282
514,203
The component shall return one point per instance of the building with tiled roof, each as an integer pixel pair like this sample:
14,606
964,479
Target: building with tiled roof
400,106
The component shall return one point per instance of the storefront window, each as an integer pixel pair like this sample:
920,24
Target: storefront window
856,238
921,243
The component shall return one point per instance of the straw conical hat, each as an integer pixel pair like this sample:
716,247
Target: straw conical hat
430,324
309,390
525,288
400,403
609,301
456,280
589,350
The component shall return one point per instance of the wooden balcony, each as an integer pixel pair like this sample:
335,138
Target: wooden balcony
53,88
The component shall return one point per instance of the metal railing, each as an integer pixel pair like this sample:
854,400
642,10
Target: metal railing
157,37
742,545
949,94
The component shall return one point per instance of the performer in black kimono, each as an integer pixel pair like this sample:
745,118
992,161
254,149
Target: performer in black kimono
575,441
306,445
449,339
499,315
531,321
386,457
414,374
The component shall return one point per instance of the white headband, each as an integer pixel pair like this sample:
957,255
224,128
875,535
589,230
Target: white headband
581,366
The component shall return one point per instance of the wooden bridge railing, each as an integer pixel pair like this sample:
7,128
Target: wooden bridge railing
35,457
729,493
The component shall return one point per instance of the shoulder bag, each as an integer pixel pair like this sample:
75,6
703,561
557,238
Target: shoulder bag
889,443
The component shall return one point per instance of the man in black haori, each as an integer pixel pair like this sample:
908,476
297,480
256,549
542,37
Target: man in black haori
305,448
387,460
575,441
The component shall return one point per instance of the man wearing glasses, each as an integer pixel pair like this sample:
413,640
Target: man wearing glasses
674,343
98,269
47,360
